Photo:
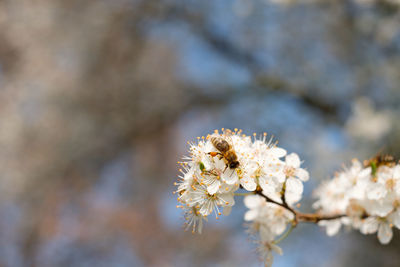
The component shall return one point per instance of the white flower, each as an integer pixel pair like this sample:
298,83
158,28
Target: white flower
206,203
332,226
208,184
373,224
269,220
292,167
266,249
216,176
368,198
396,218
194,220
294,177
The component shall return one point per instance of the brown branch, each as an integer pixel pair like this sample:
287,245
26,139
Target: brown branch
315,217
299,216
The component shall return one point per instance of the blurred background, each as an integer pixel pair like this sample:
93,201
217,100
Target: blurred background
98,100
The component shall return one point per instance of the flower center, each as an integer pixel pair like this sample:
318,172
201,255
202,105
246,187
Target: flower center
290,171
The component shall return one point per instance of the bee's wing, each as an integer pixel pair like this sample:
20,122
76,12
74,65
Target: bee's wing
228,137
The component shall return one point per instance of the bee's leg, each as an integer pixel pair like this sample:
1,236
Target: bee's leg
226,167
213,154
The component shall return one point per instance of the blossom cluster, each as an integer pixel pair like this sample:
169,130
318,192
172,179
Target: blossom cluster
208,182
368,195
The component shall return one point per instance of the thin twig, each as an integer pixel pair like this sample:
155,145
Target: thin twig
286,234
299,216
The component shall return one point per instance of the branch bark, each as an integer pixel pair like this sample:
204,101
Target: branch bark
299,216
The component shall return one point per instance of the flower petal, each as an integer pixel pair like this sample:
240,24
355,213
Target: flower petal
252,202
332,227
248,183
302,174
230,176
385,233
250,215
396,172
396,218
294,185
277,152
369,226
376,191
268,184
226,199
293,160
227,210
213,187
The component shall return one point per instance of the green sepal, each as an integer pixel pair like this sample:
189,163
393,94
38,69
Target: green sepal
202,167
373,168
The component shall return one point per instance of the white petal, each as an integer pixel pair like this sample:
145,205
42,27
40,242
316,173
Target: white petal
332,227
268,186
294,190
200,226
227,210
396,172
376,191
268,259
250,215
294,185
380,207
209,147
365,173
293,160
252,202
230,176
189,175
369,226
219,163
248,183
396,218
206,208
280,176
278,227
207,162
226,199
385,233
213,188
276,248
265,233
302,174
277,152
292,198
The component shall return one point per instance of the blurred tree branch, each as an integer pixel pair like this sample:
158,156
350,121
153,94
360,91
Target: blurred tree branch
261,79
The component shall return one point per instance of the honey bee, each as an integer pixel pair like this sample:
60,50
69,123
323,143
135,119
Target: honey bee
380,160
226,151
